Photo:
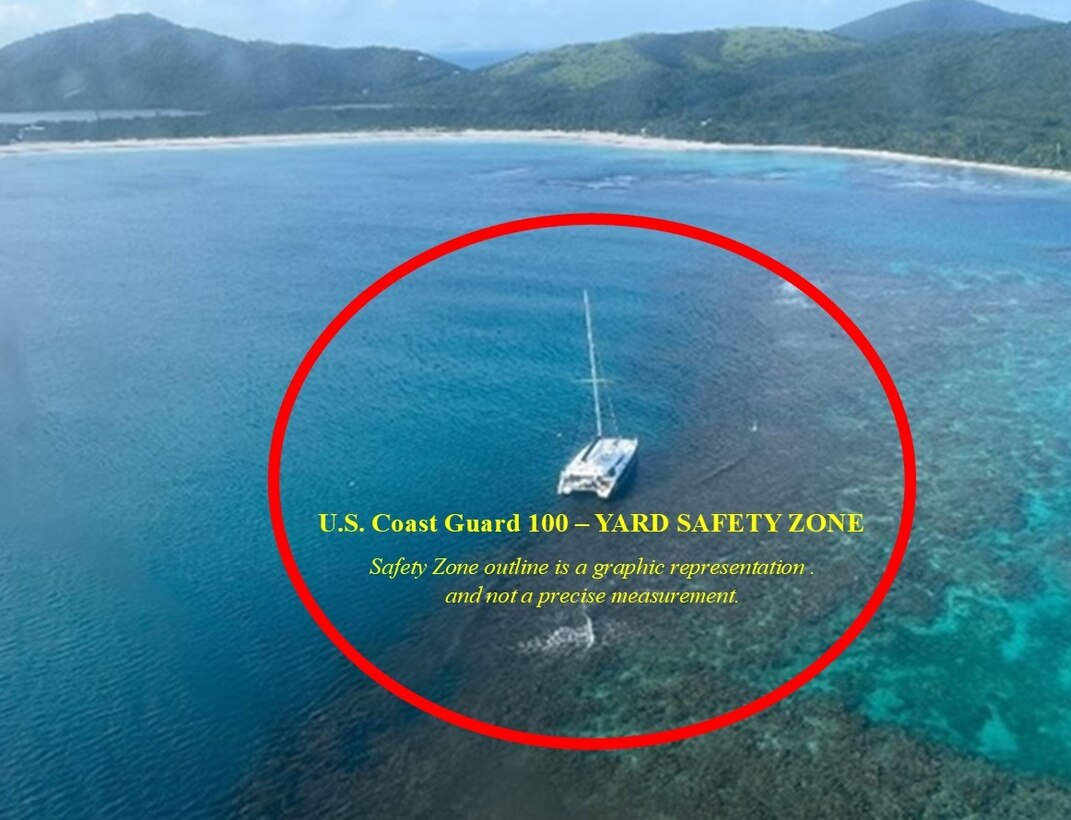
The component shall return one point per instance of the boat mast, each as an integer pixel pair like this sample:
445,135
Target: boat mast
594,368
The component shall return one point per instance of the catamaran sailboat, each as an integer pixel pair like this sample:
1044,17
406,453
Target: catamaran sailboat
602,466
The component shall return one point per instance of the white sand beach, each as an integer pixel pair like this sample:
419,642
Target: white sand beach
605,138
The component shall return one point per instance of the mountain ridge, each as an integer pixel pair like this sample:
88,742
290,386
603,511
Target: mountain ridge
996,97
936,17
144,61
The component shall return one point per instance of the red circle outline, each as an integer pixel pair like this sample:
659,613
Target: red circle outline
614,742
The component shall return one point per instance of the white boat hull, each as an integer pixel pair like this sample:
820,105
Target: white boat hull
600,468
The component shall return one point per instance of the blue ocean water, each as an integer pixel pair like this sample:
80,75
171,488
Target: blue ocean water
155,303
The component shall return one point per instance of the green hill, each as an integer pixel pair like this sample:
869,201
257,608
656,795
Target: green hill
594,64
998,98
632,83
1002,97
141,61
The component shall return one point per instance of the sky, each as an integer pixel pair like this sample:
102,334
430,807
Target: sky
451,25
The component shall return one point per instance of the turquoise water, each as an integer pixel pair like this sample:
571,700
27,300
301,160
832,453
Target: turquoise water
155,303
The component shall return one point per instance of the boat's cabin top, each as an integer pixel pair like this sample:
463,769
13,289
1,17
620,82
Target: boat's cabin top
603,457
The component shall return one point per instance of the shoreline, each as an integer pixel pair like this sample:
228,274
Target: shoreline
602,138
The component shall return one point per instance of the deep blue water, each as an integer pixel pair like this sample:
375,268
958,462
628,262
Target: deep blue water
153,305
